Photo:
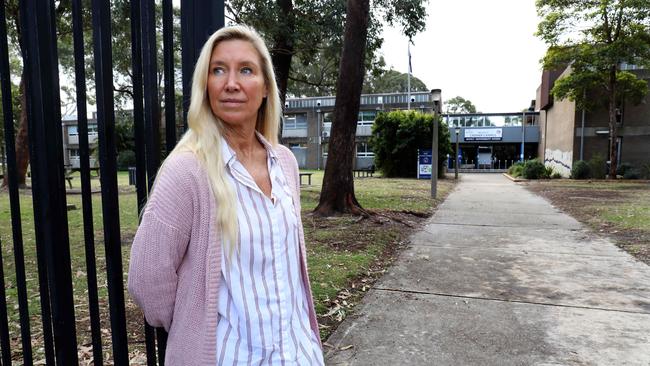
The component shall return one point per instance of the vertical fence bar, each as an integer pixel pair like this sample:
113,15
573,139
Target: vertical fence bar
5,84
138,129
199,19
151,117
50,212
108,177
84,157
4,324
150,73
170,100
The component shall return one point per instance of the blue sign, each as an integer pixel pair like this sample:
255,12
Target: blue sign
424,164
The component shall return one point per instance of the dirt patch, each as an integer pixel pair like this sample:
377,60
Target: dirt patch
576,202
403,223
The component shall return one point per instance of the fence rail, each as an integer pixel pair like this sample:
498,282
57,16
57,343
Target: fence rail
52,335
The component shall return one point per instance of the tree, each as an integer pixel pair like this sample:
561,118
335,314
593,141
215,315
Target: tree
459,105
306,37
337,194
594,38
397,135
392,81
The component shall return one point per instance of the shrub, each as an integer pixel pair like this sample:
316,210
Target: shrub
549,172
556,175
597,166
534,169
125,159
632,174
516,170
645,171
580,170
622,168
396,137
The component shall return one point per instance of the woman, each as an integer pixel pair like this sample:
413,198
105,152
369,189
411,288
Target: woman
219,257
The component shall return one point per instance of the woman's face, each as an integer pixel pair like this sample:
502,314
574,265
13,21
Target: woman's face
236,84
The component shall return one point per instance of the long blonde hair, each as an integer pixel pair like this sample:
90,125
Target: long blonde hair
203,137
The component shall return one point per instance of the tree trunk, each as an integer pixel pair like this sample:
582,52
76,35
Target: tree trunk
337,194
613,127
283,47
22,139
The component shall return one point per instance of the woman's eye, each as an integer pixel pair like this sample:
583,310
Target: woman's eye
246,70
218,70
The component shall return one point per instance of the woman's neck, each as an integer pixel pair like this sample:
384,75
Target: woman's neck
243,141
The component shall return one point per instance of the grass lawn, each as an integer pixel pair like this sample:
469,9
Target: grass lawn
617,209
345,254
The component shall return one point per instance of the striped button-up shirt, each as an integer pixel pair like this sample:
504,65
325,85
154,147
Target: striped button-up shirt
263,316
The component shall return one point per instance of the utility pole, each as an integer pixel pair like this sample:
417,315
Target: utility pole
437,108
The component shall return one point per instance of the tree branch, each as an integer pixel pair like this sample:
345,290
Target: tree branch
123,90
311,83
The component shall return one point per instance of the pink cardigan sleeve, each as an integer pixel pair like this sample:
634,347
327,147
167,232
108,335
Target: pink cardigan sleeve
160,243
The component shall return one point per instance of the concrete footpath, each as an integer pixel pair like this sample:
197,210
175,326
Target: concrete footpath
498,276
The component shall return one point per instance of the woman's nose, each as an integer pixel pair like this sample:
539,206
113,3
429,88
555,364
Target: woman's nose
232,83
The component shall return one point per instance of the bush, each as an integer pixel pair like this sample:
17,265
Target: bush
580,170
556,175
645,171
549,172
622,168
632,174
516,170
396,137
534,169
597,166
125,159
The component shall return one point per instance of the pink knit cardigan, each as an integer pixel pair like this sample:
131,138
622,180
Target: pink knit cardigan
175,268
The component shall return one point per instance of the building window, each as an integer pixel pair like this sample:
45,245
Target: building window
74,153
364,150
366,118
72,131
295,122
324,146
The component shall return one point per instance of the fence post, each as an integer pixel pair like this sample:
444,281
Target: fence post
46,159
106,129
199,19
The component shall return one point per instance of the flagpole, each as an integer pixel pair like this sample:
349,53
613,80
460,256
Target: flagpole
409,78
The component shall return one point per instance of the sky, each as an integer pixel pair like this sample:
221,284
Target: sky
484,51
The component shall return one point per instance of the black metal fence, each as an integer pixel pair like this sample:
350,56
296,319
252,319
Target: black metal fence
52,335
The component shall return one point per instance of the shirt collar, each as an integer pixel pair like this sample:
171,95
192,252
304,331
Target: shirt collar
229,154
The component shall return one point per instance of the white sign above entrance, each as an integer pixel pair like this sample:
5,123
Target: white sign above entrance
483,134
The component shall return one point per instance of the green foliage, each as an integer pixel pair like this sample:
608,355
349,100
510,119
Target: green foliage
391,81
317,36
623,167
556,175
549,172
597,166
534,169
595,38
580,170
632,174
396,137
459,105
645,171
125,159
516,169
